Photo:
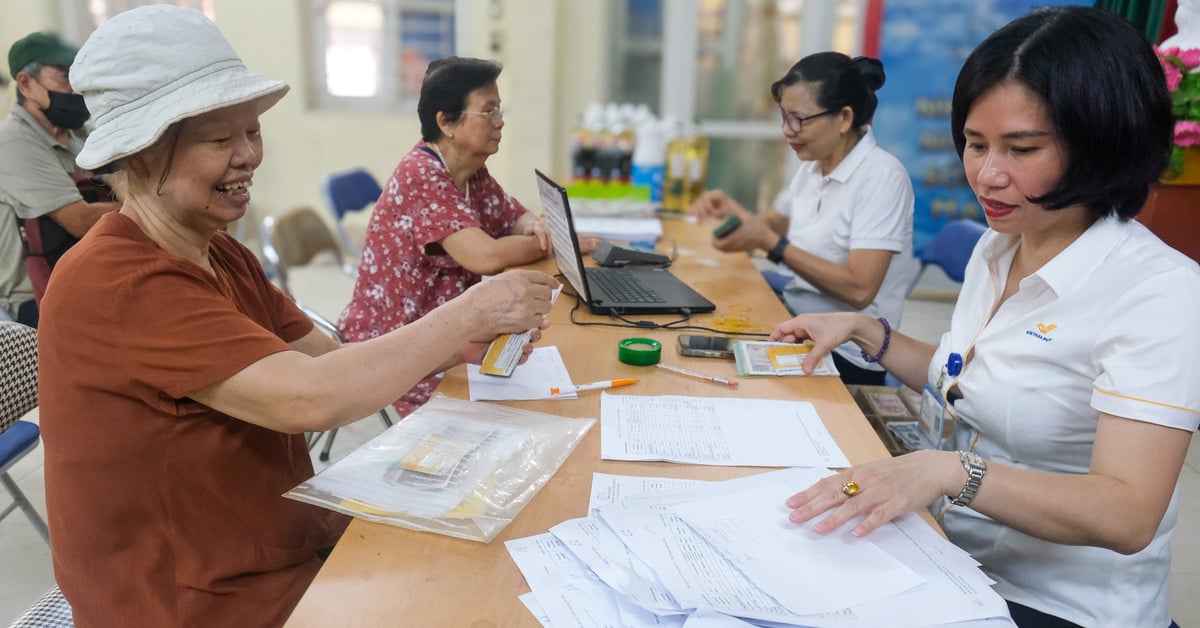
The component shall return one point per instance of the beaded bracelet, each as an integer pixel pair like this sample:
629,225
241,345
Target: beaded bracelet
887,339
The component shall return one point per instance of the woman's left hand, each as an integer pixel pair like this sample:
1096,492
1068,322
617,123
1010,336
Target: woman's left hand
886,489
474,351
540,230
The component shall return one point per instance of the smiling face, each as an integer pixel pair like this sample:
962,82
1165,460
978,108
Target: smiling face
1013,153
210,169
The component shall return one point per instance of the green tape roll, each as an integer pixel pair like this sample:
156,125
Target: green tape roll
639,351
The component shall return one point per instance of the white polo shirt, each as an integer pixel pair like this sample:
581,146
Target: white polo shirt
1112,325
866,202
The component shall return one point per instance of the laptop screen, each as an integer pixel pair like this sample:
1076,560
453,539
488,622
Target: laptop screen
562,233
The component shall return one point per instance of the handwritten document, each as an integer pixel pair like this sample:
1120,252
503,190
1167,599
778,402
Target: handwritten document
706,430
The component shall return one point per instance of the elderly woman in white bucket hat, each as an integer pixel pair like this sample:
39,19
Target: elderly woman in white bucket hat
175,380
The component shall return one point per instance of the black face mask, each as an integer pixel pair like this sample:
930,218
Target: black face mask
66,111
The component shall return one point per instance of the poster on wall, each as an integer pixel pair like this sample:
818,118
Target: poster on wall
922,46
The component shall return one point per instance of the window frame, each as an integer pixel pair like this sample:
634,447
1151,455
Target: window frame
389,96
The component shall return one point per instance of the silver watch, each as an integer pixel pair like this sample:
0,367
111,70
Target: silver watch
975,467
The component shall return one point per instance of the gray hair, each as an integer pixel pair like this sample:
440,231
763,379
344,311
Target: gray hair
32,69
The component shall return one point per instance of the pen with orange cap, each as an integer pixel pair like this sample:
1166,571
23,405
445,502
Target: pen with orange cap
612,383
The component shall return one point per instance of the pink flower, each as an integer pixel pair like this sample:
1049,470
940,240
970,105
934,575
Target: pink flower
1174,76
1187,133
1190,57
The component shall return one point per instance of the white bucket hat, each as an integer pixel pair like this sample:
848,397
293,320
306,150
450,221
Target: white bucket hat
148,68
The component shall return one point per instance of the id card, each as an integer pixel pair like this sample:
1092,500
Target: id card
932,418
504,353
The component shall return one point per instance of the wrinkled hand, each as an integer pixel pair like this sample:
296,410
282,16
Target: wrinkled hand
474,351
886,489
588,244
510,302
540,230
826,331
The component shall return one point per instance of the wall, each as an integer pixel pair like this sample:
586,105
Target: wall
555,57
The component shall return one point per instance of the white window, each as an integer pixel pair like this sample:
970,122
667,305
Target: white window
81,17
372,54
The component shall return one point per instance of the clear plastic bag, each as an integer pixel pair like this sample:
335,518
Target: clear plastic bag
454,467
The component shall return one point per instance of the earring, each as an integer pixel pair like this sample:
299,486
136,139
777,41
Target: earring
450,135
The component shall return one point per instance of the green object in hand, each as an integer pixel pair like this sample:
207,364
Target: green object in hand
727,227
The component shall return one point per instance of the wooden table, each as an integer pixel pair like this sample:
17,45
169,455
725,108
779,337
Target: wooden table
387,576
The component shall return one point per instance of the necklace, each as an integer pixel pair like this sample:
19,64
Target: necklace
445,165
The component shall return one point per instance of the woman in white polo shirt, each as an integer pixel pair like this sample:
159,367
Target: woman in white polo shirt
1077,328
843,226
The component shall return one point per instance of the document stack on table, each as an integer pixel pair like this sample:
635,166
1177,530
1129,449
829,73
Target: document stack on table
692,554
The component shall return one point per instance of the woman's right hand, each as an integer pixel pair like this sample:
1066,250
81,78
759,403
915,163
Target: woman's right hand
511,302
826,331
716,204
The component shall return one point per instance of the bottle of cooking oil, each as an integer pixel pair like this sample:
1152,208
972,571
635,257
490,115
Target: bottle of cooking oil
696,160
675,179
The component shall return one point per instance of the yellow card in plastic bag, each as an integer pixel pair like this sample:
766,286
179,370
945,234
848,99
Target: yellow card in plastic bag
789,357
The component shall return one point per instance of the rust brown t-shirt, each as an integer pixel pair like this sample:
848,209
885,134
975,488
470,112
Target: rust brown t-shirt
164,512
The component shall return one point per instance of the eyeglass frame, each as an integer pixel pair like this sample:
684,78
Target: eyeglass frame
796,123
495,115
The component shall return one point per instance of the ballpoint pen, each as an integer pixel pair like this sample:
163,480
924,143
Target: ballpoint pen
612,383
732,383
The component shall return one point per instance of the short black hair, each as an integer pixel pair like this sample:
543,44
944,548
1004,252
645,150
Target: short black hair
841,82
1104,91
445,87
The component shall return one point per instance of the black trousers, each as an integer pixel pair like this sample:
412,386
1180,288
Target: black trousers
852,374
27,313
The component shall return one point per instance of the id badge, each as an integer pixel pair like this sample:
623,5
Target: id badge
933,417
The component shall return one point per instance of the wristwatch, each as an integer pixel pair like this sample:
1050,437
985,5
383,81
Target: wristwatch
776,252
975,467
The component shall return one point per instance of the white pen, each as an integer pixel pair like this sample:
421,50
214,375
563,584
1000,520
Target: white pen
612,383
732,383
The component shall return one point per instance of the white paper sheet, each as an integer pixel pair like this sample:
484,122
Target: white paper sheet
611,489
806,572
629,229
596,545
572,596
707,430
535,608
532,380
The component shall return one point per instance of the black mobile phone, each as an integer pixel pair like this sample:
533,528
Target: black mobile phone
706,346
727,227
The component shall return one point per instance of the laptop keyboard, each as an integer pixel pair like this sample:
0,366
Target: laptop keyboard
622,286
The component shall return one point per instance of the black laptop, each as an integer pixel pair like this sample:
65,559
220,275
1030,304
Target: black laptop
620,291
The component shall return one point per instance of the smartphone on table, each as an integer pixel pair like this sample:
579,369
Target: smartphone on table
706,346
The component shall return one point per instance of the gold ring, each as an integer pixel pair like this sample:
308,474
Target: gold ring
850,489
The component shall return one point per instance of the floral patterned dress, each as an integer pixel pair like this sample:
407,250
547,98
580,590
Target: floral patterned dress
404,273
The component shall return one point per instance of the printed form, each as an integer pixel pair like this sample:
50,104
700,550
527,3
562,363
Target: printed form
706,430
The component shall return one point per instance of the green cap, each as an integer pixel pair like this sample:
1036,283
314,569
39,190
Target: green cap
44,48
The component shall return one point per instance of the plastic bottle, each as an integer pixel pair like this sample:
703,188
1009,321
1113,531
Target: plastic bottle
649,159
675,177
697,168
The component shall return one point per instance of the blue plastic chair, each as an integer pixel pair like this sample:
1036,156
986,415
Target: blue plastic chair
349,191
951,248
18,396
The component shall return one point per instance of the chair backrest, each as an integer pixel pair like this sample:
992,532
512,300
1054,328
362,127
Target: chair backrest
293,239
18,377
351,190
951,248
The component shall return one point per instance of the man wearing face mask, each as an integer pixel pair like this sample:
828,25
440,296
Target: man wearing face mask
39,140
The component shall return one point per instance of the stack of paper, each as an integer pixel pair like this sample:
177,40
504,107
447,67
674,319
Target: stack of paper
664,552
628,229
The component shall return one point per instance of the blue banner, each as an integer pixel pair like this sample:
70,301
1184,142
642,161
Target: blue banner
922,47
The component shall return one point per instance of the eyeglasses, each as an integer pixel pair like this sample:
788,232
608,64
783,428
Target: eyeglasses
495,116
796,123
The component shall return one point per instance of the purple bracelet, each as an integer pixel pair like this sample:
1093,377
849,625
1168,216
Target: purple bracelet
887,339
